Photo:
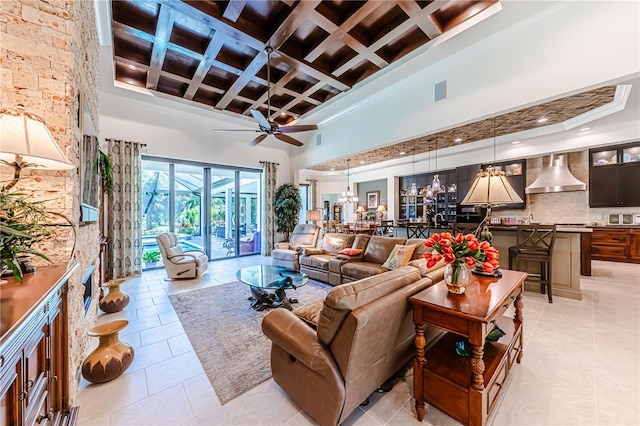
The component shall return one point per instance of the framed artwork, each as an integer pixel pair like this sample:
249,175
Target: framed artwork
373,199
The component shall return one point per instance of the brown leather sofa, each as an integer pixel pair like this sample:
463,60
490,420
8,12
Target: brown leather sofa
364,335
315,261
335,269
287,253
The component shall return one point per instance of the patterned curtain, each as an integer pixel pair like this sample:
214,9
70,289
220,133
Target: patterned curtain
268,218
124,227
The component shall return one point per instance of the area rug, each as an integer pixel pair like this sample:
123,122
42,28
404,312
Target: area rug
227,334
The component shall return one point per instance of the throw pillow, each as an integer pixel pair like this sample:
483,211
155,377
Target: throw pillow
351,251
309,312
400,256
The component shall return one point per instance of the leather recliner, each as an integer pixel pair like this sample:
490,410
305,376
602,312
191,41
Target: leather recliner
288,253
364,335
178,263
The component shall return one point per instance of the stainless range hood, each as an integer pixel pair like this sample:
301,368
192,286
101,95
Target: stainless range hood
555,177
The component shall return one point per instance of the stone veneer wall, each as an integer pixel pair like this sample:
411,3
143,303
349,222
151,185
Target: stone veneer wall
48,55
563,207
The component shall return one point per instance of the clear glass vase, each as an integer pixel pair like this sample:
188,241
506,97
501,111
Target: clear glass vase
456,277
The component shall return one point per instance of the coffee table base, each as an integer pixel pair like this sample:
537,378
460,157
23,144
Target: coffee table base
262,299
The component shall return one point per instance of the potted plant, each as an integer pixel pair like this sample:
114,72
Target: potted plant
287,206
23,224
151,258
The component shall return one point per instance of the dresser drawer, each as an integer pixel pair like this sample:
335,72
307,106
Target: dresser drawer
613,236
495,387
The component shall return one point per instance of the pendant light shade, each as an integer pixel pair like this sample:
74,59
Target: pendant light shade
435,185
491,187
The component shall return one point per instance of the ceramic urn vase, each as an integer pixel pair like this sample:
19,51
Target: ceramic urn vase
115,300
111,358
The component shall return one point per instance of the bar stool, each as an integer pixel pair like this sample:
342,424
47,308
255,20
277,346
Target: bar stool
535,244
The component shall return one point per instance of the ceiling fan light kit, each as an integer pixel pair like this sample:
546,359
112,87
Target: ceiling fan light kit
268,127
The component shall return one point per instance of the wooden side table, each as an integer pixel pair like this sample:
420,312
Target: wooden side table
467,388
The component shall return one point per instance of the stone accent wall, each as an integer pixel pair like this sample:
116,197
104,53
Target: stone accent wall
48,55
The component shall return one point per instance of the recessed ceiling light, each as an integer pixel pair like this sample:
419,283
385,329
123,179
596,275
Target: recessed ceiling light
283,113
402,153
132,67
333,169
457,140
584,129
515,142
361,162
542,120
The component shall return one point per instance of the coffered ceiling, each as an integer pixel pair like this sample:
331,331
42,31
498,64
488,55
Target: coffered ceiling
212,52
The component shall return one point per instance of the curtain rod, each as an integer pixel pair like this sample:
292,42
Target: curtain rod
263,162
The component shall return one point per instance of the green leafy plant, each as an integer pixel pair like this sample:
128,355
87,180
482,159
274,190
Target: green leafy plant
23,224
151,256
287,205
106,172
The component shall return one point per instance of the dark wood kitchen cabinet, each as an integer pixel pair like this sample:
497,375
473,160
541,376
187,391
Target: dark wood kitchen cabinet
34,349
619,244
614,176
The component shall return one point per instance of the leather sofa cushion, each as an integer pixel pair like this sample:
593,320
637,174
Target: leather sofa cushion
344,298
361,241
379,248
332,243
318,261
304,235
420,250
309,312
284,254
359,270
421,264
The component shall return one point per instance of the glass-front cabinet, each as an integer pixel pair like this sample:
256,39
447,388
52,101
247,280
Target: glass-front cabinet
614,173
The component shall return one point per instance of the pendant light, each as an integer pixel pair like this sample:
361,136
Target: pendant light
348,196
428,194
491,187
435,185
414,187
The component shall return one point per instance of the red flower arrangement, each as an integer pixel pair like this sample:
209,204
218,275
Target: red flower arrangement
461,249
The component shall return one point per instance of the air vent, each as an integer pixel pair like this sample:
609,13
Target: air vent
318,140
440,91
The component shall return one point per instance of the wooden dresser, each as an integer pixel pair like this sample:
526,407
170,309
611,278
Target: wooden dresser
34,349
616,244
467,389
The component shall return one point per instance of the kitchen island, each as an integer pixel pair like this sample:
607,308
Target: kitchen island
569,252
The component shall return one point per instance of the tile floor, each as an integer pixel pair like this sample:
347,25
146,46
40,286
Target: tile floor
580,366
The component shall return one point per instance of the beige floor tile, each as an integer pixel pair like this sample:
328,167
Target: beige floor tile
201,395
154,310
170,407
301,419
141,324
173,371
168,317
147,356
162,332
383,406
97,399
150,294
180,344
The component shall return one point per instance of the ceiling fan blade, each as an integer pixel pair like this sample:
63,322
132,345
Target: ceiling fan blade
257,140
262,122
234,130
288,139
298,128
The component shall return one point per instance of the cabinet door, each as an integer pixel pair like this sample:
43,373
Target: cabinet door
10,403
628,185
35,373
635,245
602,186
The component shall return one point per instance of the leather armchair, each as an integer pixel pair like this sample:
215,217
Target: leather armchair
178,263
364,335
287,254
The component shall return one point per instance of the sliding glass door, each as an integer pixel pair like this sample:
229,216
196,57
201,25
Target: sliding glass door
198,203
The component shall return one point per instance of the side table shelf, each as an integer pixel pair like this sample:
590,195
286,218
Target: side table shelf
467,388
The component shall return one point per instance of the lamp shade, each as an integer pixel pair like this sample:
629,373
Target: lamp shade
313,215
381,208
491,188
361,209
25,135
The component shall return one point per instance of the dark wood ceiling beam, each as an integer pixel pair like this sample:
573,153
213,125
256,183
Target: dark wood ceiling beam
234,9
305,96
160,45
313,72
275,88
291,23
215,44
245,77
339,33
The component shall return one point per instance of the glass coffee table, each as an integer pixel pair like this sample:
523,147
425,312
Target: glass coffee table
268,283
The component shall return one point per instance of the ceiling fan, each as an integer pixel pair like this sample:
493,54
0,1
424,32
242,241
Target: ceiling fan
268,127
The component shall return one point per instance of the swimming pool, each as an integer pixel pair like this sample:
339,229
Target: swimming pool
152,245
